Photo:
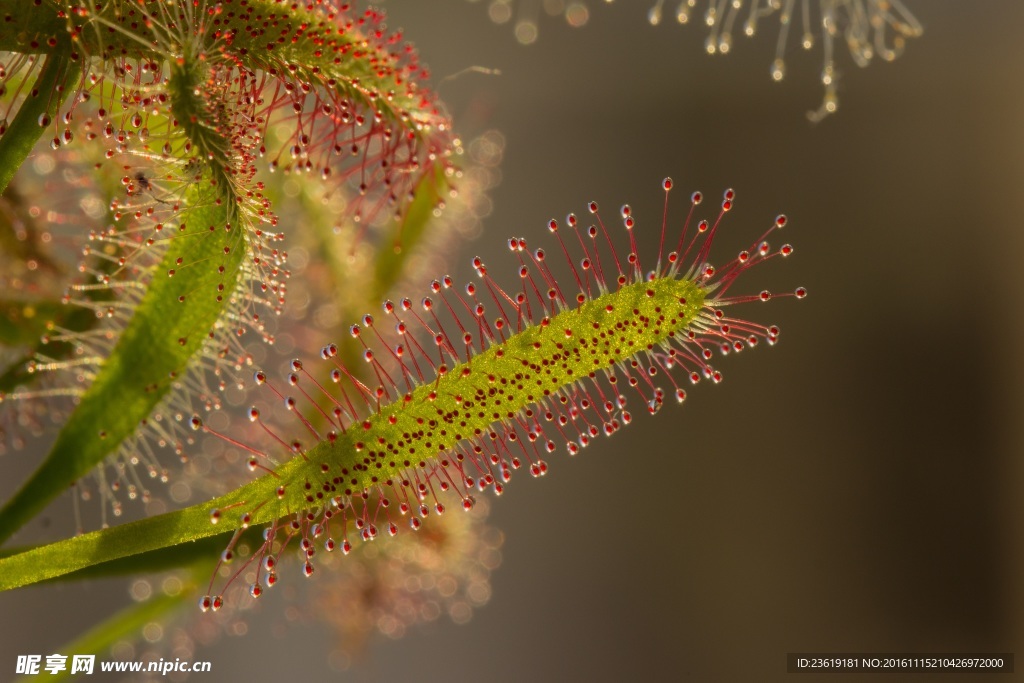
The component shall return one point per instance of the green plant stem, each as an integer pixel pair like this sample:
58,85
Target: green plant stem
201,552
52,86
135,538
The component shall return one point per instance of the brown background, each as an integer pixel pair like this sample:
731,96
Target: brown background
857,487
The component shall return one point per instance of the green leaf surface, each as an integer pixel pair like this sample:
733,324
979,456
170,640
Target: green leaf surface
197,553
346,462
54,82
136,538
169,327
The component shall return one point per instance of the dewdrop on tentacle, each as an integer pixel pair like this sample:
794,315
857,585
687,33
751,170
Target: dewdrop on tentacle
476,383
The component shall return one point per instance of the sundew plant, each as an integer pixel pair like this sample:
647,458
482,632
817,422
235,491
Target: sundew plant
158,162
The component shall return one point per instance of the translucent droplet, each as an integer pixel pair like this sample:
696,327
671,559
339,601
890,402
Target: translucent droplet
526,32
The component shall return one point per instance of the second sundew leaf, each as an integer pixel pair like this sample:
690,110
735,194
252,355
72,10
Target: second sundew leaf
203,217
510,380
170,325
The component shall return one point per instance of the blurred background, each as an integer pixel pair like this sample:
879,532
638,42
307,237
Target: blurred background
856,487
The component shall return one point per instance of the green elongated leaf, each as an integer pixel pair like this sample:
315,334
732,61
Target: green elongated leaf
344,463
201,552
169,327
408,231
135,538
55,81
